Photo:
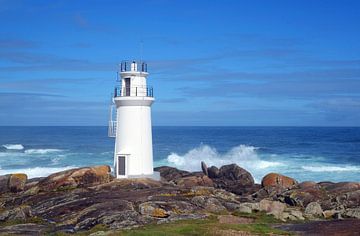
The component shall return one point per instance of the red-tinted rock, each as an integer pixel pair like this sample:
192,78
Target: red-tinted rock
80,177
274,179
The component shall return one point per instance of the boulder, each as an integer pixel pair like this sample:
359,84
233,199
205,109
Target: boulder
234,172
12,182
313,210
274,179
79,177
170,173
213,172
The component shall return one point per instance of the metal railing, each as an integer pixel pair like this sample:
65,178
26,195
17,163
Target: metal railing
137,66
112,120
134,92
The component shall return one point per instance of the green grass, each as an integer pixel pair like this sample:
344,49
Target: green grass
183,227
209,226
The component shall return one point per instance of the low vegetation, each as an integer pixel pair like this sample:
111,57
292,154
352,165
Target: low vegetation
210,226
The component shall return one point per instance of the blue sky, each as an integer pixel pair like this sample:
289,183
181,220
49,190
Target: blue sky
288,63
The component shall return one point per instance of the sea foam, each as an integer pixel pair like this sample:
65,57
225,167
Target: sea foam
13,146
41,151
36,171
331,168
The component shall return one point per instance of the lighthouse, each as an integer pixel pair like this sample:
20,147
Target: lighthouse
130,122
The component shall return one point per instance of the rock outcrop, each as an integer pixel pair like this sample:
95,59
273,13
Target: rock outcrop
82,198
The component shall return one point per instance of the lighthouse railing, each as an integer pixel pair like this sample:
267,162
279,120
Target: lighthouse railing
138,66
134,91
112,129
112,121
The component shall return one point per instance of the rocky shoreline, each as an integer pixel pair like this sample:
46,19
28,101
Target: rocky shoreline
80,199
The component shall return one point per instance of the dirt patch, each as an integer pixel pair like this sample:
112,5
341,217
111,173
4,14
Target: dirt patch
230,219
346,227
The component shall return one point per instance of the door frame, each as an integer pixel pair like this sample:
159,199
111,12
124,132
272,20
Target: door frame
126,156
127,85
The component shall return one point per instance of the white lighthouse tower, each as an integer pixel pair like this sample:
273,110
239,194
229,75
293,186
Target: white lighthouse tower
131,123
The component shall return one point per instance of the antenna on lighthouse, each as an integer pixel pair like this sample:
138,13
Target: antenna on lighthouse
141,50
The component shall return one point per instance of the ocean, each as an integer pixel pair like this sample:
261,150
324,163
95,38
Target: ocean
304,153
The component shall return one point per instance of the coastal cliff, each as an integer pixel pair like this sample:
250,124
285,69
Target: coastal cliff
89,199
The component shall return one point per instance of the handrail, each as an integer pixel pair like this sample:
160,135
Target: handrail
134,91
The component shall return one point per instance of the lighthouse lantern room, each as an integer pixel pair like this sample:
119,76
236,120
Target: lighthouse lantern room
130,122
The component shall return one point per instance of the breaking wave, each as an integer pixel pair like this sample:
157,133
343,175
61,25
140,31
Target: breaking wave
42,151
13,146
243,155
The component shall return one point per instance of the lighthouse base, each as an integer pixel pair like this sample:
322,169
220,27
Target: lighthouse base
155,176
